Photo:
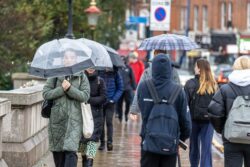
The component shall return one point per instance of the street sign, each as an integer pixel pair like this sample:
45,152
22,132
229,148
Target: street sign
136,19
160,15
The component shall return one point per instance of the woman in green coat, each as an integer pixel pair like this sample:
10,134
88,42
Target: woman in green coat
65,123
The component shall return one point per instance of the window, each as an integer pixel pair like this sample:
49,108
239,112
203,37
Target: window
204,19
183,18
229,14
196,18
248,16
230,11
223,15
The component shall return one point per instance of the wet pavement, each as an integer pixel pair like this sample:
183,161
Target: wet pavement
126,151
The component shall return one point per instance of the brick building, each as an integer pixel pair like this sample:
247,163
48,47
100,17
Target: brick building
210,20
208,15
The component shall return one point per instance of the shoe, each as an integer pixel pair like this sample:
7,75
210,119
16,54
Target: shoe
89,162
102,146
84,159
126,118
109,146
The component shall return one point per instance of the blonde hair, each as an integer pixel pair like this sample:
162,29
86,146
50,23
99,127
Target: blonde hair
207,81
242,63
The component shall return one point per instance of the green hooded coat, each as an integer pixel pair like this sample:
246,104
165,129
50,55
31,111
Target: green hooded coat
65,123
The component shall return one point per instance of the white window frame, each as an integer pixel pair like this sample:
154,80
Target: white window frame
223,15
204,18
248,16
183,18
230,11
196,18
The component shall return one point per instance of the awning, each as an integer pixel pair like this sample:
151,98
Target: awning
222,39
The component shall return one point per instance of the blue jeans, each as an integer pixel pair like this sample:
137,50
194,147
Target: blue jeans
202,134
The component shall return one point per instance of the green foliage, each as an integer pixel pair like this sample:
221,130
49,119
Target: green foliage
26,24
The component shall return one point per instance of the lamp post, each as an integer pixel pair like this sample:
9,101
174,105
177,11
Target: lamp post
70,26
93,13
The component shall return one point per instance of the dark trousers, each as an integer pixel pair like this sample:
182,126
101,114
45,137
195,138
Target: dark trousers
149,159
128,97
235,154
65,159
202,134
108,112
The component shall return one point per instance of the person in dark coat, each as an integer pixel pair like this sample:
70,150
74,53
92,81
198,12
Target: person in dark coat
221,105
147,74
129,88
200,91
114,89
97,98
162,79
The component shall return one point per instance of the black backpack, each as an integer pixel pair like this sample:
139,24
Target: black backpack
199,104
162,127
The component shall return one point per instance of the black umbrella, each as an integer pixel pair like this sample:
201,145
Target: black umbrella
114,56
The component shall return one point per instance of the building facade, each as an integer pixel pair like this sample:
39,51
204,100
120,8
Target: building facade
207,15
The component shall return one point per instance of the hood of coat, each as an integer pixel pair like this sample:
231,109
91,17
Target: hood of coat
161,71
240,77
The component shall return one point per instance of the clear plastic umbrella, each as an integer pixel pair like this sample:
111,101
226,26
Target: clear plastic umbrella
99,56
61,58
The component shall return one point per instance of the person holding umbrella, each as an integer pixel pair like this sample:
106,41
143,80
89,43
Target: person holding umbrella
161,44
165,118
65,122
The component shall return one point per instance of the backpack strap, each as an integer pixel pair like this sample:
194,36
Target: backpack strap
234,89
152,91
174,95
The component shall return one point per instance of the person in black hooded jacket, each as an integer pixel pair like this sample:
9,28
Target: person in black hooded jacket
96,101
221,105
162,79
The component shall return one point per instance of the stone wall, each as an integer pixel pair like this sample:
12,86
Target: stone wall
5,108
19,79
25,137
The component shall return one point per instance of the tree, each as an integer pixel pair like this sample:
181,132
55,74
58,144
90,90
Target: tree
26,24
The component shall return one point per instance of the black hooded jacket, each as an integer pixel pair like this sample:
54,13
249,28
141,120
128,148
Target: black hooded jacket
162,74
96,100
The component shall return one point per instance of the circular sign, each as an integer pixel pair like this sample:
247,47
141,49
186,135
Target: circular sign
160,14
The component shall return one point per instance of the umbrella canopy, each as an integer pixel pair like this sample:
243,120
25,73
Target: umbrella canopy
61,58
115,58
168,42
99,56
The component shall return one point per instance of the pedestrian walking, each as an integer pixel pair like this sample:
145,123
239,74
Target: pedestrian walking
65,123
136,65
199,91
129,88
165,118
88,147
114,90
147,74
230,116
